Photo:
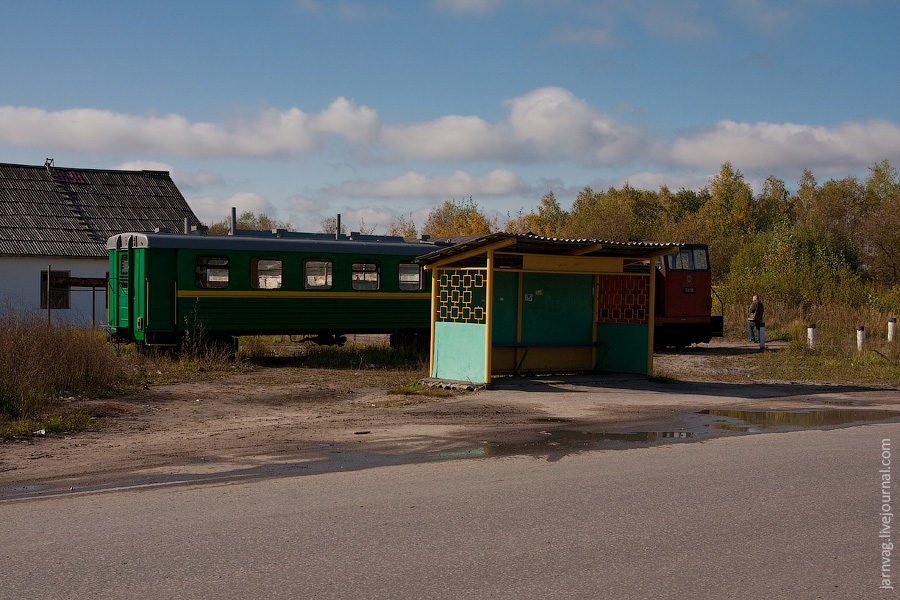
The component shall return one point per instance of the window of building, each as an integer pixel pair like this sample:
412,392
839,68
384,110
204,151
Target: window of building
212,272
265,273
410,276
59,296
317,274
364,275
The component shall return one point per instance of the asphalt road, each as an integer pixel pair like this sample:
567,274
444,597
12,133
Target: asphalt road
785,515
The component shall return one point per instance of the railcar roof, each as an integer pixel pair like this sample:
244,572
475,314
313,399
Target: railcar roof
292,242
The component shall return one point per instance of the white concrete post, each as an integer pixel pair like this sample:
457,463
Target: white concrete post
892,328
811,335
761,334
860,337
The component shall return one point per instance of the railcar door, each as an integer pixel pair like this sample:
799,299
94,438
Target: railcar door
123,291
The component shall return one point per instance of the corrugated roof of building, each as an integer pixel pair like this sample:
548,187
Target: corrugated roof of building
55,211
528,243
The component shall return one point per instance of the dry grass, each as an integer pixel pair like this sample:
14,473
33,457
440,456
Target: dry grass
835,357
41,365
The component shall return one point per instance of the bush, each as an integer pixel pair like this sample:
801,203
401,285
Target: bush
797,266
40,365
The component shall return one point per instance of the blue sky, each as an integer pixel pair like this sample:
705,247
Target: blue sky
303,109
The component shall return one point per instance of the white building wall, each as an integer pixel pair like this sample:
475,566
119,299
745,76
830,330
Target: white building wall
20,289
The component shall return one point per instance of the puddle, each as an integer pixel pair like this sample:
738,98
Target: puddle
567,442
756,420
549,444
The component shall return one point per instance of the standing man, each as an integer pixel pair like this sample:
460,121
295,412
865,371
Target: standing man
754,318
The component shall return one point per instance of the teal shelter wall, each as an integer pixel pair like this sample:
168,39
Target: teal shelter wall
506,301
557,308
459,351
627,347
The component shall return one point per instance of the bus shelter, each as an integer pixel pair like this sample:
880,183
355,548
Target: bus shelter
504,304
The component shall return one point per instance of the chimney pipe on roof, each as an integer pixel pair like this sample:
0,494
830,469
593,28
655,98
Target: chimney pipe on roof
233,228
337,228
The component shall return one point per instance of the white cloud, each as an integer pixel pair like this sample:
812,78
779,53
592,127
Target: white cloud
554,121
545,124
184,180
647,180
765,145
271,133
447,138
467,7
343,117
212,209
601,37
499,182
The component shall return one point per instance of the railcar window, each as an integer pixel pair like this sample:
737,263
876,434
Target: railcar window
212,271
265,273
317,274
364,276
123,271
410,276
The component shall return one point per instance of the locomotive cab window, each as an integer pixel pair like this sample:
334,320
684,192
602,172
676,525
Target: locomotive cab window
317,274
212,271
265,273
410,276
364,275
688,259
701,260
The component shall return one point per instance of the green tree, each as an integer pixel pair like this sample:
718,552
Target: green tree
796,265
454,218
402,227
882,184
549,220
879,225
730,209
616,215
774,204
248,220
329,225
684,202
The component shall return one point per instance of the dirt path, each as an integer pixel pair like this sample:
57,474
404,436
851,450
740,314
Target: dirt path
284,415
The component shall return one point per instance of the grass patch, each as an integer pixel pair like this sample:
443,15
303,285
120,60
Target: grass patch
835,358
416,388
364,356
661,376
56,424
836,366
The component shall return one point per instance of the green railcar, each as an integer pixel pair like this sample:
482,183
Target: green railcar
164,286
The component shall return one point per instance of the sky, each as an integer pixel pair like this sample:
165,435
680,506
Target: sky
381,110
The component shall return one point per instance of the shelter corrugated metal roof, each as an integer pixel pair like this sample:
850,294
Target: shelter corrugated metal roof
529,243
55,211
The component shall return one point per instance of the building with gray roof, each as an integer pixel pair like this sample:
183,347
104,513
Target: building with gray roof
56,220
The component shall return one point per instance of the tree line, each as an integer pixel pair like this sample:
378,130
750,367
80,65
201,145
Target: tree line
835,242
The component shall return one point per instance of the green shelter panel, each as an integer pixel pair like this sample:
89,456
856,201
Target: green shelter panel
626,347
557,308
505,307
459,351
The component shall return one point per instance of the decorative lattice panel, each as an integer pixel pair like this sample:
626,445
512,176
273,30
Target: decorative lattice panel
623,299
461,296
